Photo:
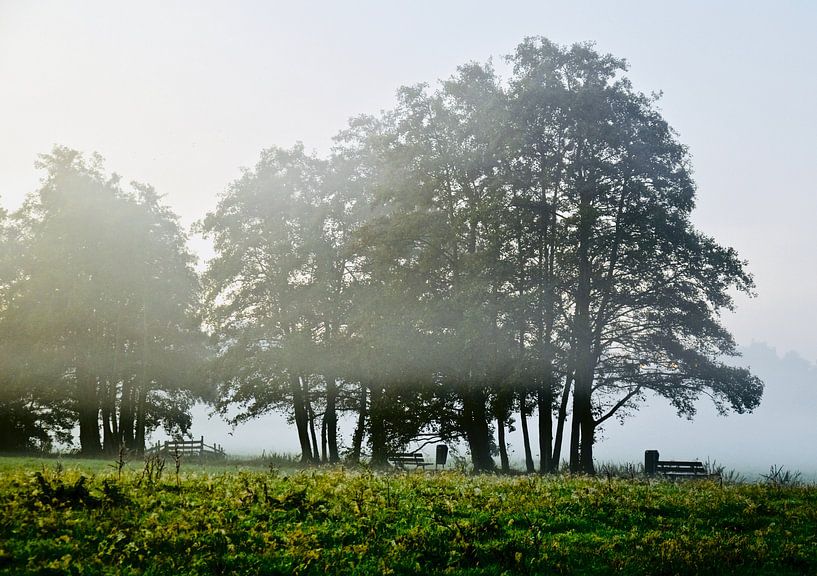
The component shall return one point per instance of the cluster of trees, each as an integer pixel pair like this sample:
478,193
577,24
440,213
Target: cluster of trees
486,250
99,323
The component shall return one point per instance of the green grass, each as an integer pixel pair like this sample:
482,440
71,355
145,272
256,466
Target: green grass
342,522
103,465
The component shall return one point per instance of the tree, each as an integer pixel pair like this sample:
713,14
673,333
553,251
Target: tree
544,226
102,310
28,420
642,287
275,291
436,241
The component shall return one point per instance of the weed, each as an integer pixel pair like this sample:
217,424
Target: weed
121,460
152,472
777,477
57,493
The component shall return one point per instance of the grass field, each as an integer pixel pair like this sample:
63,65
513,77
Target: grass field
83,518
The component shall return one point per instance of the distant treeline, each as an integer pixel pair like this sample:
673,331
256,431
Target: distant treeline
488,249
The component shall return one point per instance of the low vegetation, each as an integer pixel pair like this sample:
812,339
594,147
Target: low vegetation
68,520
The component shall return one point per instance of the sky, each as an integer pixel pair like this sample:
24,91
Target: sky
181,95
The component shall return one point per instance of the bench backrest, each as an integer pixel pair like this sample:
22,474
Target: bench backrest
680,467
408,457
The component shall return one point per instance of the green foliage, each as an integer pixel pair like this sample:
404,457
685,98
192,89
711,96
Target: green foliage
100,307
413,523
778,476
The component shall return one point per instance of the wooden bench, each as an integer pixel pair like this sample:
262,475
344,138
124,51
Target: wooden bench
680,469
674,469
403,459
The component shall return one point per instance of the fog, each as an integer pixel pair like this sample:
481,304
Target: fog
182,97
779,433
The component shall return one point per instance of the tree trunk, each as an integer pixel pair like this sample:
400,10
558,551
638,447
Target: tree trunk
331,419
141,409
88,416
315,451
89,441
523,418
583,426
477,432
560,424
588,427
582,401
574,439
110,440
544,403
360,429
110,443
503,448
377,428
126,416
301,417
324,455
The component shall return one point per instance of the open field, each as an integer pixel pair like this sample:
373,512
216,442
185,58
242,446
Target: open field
79,520
107,465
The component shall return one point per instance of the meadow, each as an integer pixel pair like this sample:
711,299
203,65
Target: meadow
79,517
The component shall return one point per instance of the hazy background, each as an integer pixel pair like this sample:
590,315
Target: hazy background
182,94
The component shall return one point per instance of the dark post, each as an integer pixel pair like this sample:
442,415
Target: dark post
442,455
650,462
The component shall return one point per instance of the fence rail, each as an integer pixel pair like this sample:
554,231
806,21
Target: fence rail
187,448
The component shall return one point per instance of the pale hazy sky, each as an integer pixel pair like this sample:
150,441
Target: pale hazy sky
182,94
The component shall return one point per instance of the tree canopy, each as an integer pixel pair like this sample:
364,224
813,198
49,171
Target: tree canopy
489,249
101,311
528,236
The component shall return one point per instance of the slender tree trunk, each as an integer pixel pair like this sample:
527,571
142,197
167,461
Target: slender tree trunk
360,429
324,455
112,398
109,439
312,435
560,424
377,428
315,450
301,417
575,427
523,418
110,442
142,392
503,448
141,413
126,416
583,412
331,419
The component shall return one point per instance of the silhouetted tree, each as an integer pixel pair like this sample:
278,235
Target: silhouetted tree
102,307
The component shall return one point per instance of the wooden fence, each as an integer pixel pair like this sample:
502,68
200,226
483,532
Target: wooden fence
187,448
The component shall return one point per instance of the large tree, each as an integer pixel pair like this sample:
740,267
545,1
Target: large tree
437,241
551,211
641,288
276,292
102,309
